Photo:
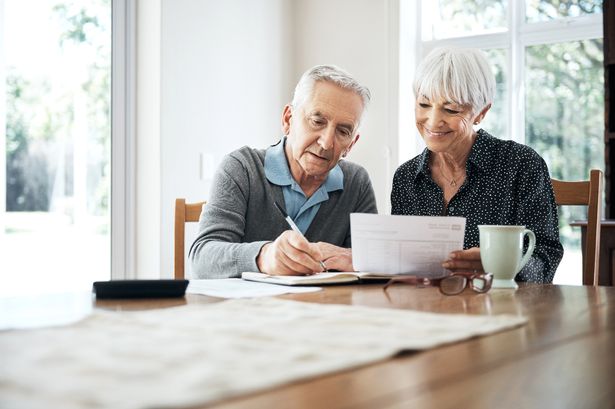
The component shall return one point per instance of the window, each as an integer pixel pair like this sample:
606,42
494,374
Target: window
55,213
548,61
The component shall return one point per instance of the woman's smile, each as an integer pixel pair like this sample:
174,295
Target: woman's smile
435,134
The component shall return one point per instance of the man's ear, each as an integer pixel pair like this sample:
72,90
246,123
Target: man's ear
287,114
349,148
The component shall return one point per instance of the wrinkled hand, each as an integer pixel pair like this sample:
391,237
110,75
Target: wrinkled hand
335,258
464,260
289,254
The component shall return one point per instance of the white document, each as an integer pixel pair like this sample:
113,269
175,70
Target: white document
394,244
238,288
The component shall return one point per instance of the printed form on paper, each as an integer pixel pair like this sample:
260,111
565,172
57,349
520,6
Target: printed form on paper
395,244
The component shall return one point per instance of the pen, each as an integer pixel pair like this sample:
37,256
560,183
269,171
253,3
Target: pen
293,226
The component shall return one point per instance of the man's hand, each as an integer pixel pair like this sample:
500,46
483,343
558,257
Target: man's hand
289,254
336,258
464,260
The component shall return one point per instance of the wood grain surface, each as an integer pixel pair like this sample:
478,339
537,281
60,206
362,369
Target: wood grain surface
563,358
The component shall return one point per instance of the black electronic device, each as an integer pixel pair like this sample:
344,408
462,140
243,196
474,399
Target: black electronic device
140,288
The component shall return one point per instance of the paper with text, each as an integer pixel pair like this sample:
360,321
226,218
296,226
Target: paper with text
395,244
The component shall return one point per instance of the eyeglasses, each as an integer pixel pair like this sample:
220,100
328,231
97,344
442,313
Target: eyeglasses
452,284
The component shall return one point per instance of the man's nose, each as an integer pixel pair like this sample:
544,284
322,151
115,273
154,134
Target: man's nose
327,137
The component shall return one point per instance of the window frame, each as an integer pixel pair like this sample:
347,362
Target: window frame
123,139
123,91
518,36
514,40
3,128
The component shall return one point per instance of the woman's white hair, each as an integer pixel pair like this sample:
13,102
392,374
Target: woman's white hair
332,74
459,75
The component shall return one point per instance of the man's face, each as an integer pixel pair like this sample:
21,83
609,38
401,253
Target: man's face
321,130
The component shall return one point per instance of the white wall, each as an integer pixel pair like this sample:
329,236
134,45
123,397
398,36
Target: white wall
226,75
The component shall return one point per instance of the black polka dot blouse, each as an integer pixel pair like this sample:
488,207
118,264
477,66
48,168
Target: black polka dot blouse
506,183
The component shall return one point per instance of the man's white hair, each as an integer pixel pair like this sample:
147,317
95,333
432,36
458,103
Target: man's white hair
329,73
459,75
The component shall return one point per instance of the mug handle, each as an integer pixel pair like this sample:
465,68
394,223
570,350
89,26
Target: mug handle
530,248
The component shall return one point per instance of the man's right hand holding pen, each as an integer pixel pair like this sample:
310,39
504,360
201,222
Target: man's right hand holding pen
290,254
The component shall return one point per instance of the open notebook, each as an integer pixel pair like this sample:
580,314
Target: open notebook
319,278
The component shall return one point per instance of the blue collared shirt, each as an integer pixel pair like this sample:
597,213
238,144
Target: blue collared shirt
299,207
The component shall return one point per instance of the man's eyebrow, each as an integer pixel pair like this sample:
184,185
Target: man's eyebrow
345,125
316,113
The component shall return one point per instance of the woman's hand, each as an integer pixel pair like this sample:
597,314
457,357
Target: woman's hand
464,260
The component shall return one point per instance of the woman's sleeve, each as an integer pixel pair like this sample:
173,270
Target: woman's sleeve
538,212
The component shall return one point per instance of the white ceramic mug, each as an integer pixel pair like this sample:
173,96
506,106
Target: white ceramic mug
501,252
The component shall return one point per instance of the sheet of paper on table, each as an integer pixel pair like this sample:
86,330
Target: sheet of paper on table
394,244
238,288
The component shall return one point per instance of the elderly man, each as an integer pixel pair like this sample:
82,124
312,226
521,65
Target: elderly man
240,227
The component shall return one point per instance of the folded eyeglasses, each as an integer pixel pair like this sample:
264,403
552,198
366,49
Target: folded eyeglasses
451,284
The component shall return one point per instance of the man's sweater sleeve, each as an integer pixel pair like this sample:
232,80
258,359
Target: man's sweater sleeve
217,251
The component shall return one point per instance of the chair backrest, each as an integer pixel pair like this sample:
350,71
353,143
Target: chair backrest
184,213
586,193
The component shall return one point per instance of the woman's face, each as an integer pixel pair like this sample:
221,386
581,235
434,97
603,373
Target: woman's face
445,126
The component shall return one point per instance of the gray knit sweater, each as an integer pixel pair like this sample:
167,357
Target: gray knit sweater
240,216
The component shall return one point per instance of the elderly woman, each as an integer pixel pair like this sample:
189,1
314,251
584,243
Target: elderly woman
467,172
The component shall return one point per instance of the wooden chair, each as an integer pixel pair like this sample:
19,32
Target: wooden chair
586,193
184,213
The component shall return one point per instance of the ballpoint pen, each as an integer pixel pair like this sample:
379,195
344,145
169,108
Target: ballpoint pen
293,226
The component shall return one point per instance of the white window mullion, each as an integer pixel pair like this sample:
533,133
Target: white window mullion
559,31
123,113
2,129
517,79
410,39
484,41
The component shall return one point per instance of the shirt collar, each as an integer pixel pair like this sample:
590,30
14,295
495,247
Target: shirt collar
276,166
478,154
277,170
423,165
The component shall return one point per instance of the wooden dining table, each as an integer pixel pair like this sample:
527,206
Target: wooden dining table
564,357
